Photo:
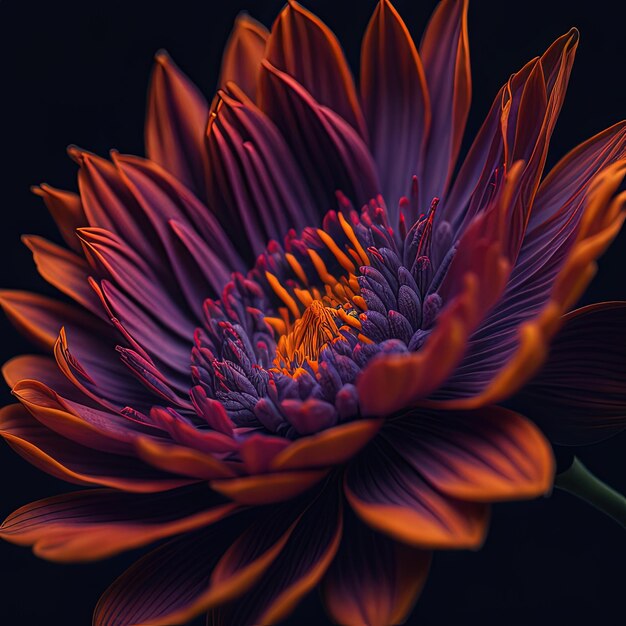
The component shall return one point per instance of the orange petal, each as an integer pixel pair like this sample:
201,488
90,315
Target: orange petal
267,488
64,270
176,459
243,54
329,447
66,210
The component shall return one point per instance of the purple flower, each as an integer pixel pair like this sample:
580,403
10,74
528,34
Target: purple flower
295,327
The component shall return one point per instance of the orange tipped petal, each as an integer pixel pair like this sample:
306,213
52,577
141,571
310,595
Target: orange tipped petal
391,497
67,211
99,523
473,284
74,463
267,488
41,318
176,459
302,46
602,219
64,270
483,456
175,124
373,579
301,564
243,54
329,447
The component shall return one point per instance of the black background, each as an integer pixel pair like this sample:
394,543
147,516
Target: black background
78,73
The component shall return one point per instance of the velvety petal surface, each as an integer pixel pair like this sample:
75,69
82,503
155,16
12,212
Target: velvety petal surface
373,580
579,395
99,523
395,102
392,497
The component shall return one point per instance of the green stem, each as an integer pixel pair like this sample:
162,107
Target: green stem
578,480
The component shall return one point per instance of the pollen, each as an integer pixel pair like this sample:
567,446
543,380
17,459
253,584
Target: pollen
308,335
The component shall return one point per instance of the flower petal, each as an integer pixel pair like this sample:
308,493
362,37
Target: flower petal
474,282
329,447
330,152
579,395
524,324
445,53
395,102
373,579
298,568
302,46
182,460
74,463
253,179
243,54
41,318
66,210
175,123
389,495
519,125
487,455
196,572
64,270
76,418
268,488
99,523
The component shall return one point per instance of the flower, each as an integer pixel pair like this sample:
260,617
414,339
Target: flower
296,328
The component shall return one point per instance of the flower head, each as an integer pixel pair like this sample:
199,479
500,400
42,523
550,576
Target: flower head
294,327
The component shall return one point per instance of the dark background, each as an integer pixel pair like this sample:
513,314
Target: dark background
78,73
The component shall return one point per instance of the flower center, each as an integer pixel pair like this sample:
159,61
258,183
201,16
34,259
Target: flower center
308,335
